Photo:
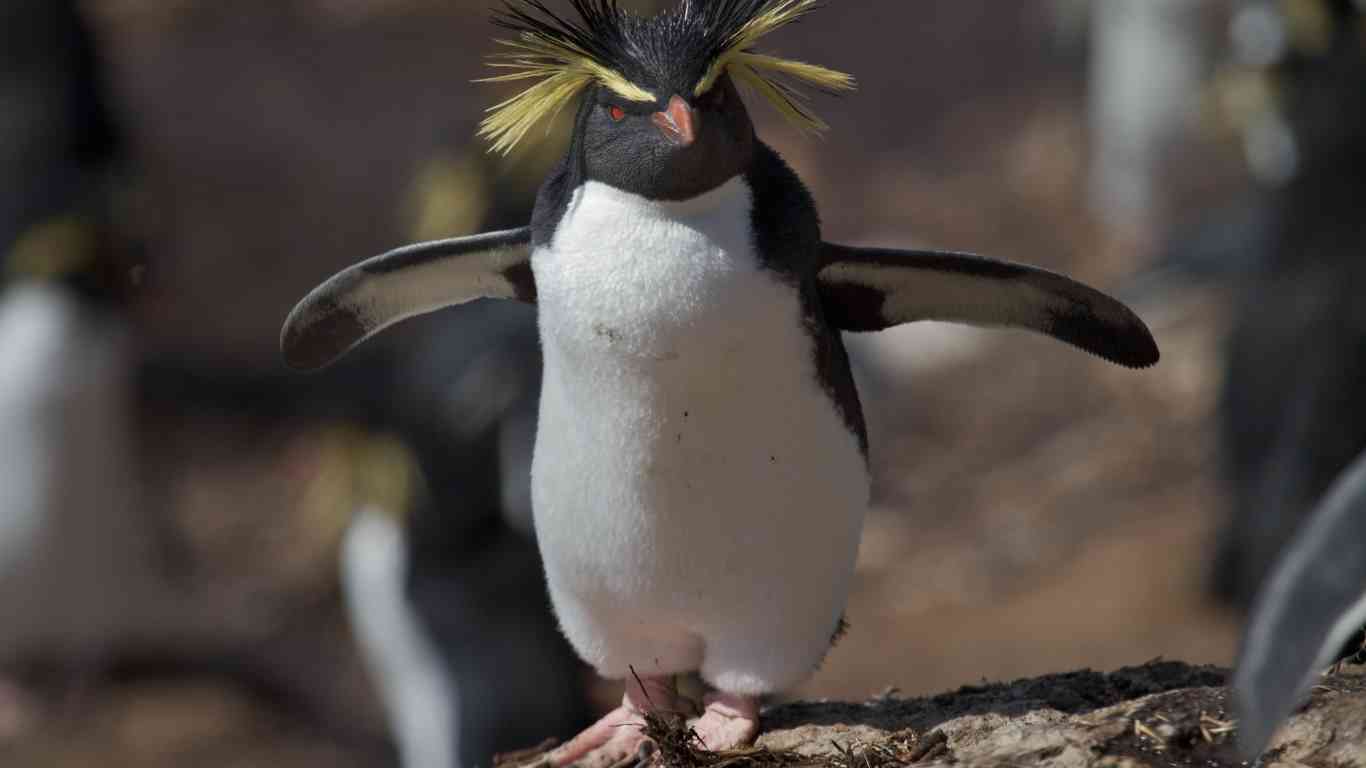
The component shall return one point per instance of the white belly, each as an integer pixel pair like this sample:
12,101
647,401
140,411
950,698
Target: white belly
690,470
75,563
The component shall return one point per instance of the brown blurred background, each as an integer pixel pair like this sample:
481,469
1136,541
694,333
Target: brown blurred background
1037,510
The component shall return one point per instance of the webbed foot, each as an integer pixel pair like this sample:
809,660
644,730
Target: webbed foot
729,722
618,740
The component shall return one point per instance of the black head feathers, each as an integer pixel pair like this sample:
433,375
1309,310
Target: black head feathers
646,59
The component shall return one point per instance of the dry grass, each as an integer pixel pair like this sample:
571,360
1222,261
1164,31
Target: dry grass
679,747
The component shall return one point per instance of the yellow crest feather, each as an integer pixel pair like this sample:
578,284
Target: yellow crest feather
566,71
568,58
758,70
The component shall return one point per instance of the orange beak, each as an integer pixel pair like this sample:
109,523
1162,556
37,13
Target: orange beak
678,123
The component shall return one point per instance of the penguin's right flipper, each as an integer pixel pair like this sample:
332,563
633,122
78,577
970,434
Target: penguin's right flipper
364,299
1313,601
869,289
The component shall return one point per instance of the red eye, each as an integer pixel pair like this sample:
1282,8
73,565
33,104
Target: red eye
618,114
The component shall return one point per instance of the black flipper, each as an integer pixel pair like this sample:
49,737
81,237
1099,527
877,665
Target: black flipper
1313,601
869,289
363,300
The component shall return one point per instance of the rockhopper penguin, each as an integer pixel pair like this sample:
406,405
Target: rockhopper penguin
700,473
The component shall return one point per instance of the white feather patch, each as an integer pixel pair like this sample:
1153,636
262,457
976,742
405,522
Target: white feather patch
77,570
923,294
417,691
385,299
363,300
698,498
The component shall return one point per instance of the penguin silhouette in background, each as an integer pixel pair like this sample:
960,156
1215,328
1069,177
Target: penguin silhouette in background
443,590
439,569
1292,415
1308,614
422,452
77,576
700,473
85,578
1294,406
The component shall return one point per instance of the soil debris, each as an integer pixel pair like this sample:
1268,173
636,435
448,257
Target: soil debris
1158,715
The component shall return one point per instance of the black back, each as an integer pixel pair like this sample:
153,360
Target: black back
787,233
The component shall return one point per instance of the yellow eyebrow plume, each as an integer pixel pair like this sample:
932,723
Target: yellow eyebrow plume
566,58
565,71
763,73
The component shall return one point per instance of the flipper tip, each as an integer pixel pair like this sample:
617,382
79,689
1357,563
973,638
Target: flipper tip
1114,334
317,333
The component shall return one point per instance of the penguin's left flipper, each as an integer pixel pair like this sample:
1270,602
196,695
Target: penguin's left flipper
1313,601
363,300
869,289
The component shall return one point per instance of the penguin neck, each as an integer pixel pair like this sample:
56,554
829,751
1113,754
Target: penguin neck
651,277
732,193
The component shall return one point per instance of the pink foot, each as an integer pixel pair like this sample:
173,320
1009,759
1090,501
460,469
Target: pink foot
730,722
618,739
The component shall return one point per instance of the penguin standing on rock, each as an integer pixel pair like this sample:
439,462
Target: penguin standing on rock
700,474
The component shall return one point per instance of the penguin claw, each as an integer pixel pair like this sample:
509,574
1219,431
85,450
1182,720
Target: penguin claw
614,741
633,750
618,740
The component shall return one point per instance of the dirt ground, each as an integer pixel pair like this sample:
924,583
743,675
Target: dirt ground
1037,509
1164,714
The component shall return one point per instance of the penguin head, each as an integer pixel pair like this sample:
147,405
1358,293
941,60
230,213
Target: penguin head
674,148
661,114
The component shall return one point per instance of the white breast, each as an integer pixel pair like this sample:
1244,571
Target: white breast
632,278
689,467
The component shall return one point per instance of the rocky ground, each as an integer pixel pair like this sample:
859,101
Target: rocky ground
1159,715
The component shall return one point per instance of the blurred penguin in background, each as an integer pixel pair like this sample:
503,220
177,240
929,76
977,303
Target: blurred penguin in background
1294,400
1293,406
440,570
1147,60
1294,416
426,452
1307,615
75,571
